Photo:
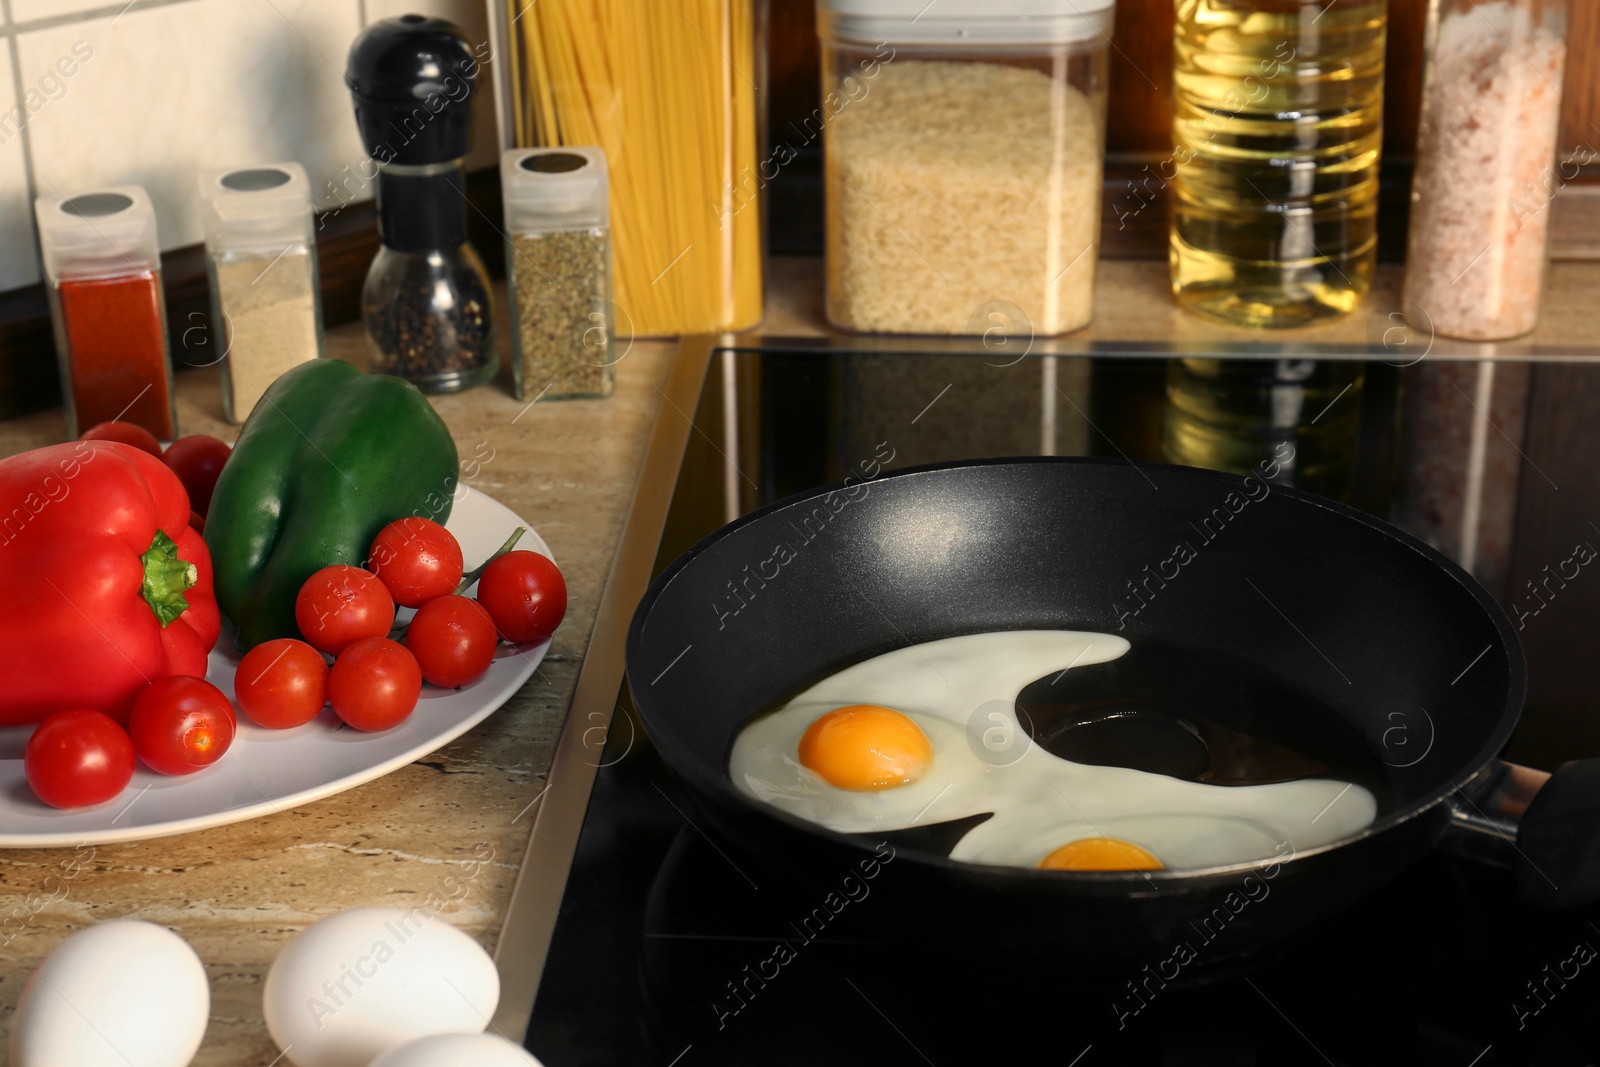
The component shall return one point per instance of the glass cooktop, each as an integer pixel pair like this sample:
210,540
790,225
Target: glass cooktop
674,948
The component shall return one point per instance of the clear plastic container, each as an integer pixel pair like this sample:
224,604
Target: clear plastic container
1486,167
261,254
671,90
102,265
965,143
558,271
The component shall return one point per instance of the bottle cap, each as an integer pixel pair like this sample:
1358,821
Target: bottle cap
412,80
264,208
98,233
967,22
554,189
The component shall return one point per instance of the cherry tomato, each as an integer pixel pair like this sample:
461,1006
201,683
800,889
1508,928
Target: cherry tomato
453,639
374,684
197,460
525,595
417,559
181,724
281,684
341,604
124,433
79,757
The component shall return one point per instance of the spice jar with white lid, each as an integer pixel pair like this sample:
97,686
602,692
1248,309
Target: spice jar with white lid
558,271
964,146
102,265
261,255
1486,167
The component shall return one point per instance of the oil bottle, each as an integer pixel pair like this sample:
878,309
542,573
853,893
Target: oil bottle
1277,129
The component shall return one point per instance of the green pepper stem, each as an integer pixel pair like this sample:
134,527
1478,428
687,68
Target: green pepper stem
166,578
472,576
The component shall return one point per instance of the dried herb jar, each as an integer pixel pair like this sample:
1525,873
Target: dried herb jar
558,269
261,256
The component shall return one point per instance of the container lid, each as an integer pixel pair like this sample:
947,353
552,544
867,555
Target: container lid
100,232
265,207
554,189
412,81
974,22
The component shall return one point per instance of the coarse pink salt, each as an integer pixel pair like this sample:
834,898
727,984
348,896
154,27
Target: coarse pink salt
1480,198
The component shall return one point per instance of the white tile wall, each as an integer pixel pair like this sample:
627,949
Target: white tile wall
18,265
172,89
162,88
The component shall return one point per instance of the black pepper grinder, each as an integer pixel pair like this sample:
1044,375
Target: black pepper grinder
426,301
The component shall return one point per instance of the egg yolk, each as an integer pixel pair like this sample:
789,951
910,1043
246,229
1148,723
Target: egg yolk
1100,854
865,748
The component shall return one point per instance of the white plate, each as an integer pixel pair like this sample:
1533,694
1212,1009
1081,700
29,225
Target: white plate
268,771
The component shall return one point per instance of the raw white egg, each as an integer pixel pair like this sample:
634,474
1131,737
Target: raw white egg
456,1050
120,994
961,692
351,987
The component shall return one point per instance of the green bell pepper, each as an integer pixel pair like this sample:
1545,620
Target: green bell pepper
329,457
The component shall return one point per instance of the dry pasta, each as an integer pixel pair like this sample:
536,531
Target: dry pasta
669,91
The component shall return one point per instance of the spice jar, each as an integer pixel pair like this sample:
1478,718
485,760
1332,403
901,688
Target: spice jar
102,264
558,266
426,301
964,145
261,256
1486,157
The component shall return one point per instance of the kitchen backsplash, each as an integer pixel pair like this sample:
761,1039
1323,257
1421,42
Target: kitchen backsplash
151,92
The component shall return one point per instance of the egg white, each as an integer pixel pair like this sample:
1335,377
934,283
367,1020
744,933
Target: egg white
959,688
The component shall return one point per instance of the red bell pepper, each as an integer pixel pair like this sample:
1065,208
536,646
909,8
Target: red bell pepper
103,585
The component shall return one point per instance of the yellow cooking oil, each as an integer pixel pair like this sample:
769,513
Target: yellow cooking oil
1277,132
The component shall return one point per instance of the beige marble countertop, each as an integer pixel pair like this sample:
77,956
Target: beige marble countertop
237,893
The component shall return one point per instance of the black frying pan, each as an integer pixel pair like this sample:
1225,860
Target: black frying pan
1392,647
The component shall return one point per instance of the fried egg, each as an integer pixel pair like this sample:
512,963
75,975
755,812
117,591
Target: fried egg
929,733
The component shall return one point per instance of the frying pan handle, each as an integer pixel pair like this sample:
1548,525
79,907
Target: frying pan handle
1545,827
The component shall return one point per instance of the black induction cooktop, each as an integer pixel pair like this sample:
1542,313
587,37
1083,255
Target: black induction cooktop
673,948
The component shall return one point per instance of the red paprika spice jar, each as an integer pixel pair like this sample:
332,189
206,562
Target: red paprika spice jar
102,264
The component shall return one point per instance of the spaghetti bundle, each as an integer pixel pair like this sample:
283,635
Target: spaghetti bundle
669,91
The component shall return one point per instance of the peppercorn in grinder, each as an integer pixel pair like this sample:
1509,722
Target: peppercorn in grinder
426,302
